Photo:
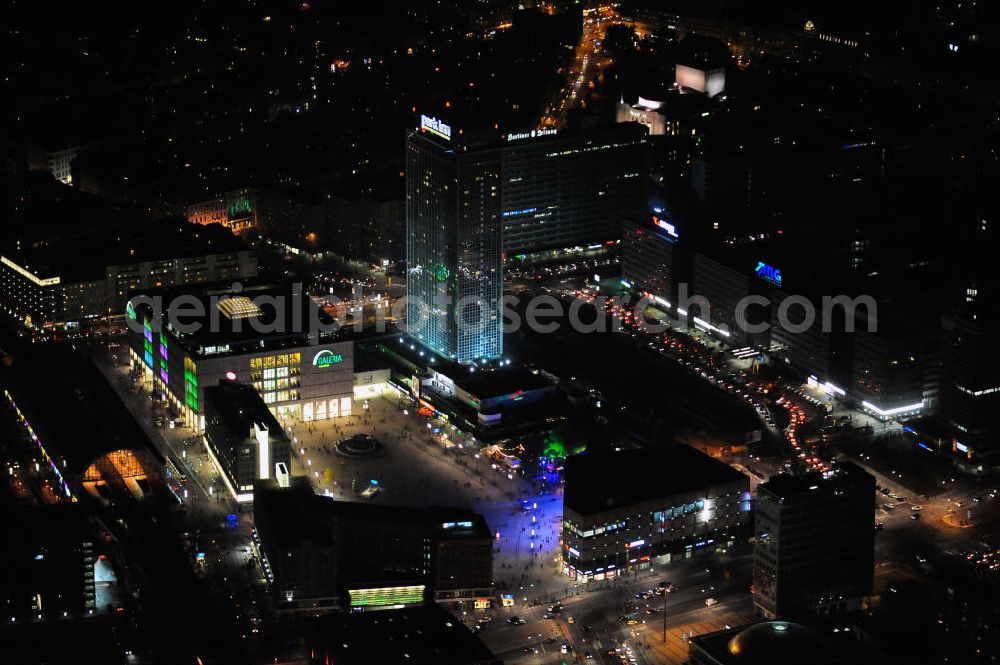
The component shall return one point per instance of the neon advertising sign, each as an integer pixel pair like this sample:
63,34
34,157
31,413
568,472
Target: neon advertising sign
327,358
663,224
768,273
435,126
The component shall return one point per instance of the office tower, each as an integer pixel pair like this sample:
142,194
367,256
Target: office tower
453,230
648,257
815,542
573,189
970,391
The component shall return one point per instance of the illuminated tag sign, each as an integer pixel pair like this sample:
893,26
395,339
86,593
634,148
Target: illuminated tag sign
435,126
533,134
326,358
666,226
768,273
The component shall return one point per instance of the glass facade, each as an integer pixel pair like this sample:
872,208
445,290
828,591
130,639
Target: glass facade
454,253
276,377
572,190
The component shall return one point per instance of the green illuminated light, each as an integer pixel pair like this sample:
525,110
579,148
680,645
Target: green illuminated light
440,271
326,358
397,595
554,447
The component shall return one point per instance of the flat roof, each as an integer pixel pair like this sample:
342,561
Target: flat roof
46,556
499,382
844,474
285,316
605,481
297,514
85,256
72,408
293,514
240,407
425,634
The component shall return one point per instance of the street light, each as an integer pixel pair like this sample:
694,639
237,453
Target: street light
663,585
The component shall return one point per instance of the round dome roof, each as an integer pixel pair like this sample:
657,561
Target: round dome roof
779,643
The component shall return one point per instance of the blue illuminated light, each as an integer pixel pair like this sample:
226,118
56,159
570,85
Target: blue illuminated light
663,224
514,213
768,273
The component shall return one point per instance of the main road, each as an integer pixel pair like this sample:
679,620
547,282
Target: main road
600,617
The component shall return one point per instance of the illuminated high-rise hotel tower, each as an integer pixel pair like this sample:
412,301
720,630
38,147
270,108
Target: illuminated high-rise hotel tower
453,244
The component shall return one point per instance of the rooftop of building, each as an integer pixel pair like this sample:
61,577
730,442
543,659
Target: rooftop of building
226,318
605,481
46,556
499,138
71,407
296,514
84,255
458,523
79,642
668,100
293,515
426,634
767,643
499,382
240,407
843,474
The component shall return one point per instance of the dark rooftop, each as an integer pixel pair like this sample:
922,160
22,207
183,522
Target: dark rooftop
84,256
767,643
502,381
845,474
297,514
72,409
426,634
294,514
47,558
602,481
284,316
240,407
